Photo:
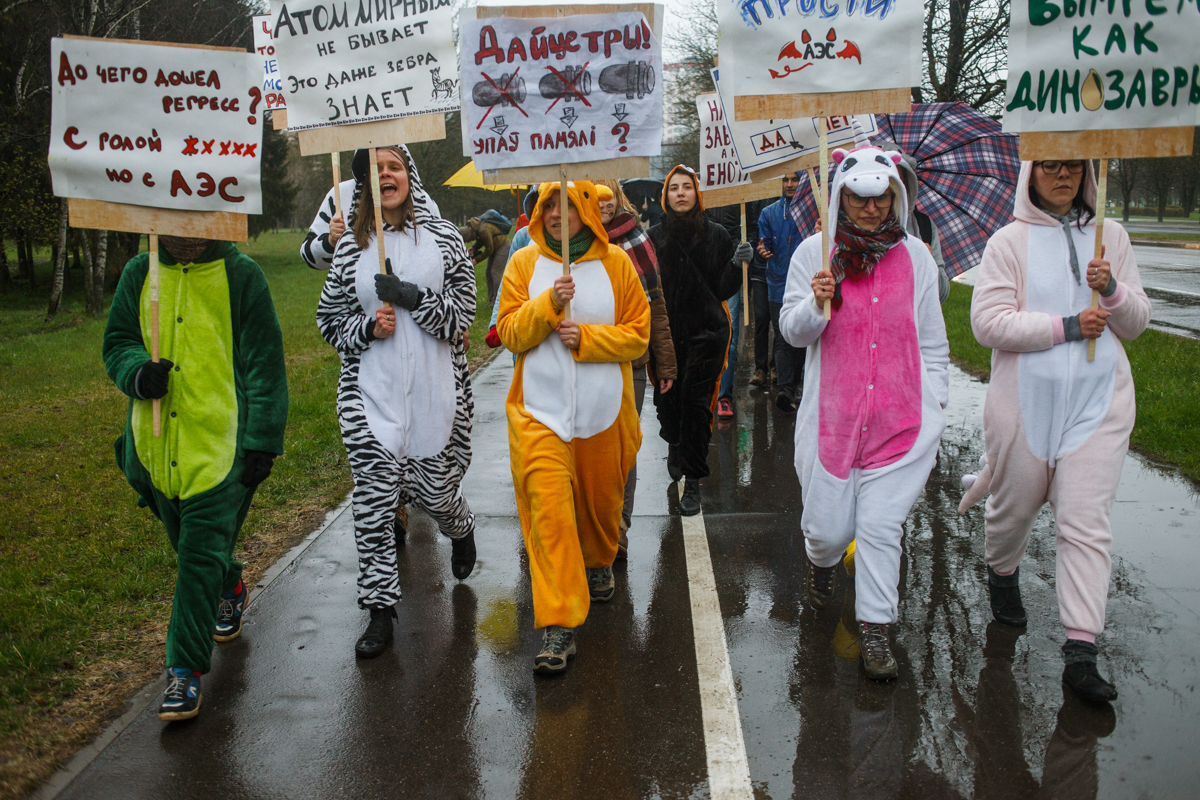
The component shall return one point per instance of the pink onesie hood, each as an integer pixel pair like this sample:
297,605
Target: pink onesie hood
1026,211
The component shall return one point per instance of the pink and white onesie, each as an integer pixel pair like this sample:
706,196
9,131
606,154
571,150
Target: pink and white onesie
876,386
1056,426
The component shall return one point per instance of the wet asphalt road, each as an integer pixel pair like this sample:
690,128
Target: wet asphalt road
453,710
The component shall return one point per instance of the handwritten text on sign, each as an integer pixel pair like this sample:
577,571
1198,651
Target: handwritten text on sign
353,61
560,90
1088,65
272,80
806,46
153,125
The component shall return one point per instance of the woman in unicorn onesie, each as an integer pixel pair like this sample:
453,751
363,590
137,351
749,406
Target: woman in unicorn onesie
1056,426
876,383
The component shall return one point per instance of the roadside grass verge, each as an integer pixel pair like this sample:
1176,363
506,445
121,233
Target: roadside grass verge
86,577
1186,238
1166,372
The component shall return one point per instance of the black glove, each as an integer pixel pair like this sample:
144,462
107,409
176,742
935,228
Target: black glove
391,289
151,379
257,467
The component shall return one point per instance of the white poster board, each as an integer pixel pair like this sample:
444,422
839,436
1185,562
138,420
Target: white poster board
345,63
154,125
771,47
264,48
1099,66
719,165
560,90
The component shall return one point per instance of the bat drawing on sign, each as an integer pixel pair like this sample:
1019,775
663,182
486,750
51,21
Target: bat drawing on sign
814,51
634,78
441,86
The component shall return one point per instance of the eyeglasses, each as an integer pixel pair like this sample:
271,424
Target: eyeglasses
882,202
1053,167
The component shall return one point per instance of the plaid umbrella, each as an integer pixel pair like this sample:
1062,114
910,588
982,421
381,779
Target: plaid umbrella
967,168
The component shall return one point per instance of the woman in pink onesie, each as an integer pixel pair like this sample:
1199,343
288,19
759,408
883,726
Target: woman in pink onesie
867,438
1056,426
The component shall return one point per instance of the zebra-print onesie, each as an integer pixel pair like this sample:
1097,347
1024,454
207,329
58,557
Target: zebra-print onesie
404,402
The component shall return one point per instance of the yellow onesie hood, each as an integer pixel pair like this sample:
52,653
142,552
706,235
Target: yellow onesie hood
584,196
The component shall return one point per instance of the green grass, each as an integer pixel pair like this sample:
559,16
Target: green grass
86,577
1168,237
1166,372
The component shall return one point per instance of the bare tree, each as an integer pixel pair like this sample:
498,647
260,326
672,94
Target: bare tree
695,43
966,50
1126,172
1161,174
60,263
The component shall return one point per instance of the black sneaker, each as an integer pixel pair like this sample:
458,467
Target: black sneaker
400,526
462,556
785,402
378,634
601,584
877,659
820,585
181,700
673,467
689,503
1080,673
558,647
229,614
1004,592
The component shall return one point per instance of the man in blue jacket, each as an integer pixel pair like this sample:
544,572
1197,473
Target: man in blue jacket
778,239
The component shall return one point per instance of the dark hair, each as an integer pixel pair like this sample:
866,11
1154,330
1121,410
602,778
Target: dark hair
689,226
364,221
1080,205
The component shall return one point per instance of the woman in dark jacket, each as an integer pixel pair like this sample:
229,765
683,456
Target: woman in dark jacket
696,261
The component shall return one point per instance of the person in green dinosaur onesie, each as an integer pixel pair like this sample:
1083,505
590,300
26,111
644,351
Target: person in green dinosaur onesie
223,387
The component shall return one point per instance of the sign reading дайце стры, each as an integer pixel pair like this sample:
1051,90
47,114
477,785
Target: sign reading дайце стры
352,61
1103,64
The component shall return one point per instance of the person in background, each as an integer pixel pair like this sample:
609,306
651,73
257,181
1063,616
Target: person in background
730,218
621,222
489,232
700,269
778,239
520,239
326,228
920,224
760,307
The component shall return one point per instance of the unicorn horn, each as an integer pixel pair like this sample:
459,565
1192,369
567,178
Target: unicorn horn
860,137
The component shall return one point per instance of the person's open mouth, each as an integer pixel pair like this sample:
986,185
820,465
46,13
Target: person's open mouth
388,188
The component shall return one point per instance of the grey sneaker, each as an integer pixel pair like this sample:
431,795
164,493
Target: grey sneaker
601,584
558,647
876,652
820,585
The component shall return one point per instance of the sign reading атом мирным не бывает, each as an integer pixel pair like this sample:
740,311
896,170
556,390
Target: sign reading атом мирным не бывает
1102,64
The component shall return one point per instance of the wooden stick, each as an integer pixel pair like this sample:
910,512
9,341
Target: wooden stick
1101,202
153,277
745,276
564,230
337,183
378,214
823,155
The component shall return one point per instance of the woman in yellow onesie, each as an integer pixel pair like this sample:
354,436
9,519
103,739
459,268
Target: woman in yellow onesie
573,432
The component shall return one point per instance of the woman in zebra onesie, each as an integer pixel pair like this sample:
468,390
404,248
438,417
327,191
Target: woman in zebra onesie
404,396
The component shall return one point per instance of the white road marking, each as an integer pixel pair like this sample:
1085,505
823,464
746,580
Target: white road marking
728,768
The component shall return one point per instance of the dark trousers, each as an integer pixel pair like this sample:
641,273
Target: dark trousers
685,413
789,361
762,325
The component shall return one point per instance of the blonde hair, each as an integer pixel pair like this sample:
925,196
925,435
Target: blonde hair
623,202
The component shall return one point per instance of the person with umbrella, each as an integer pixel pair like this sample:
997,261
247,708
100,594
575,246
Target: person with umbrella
877,383
1056,425
920,224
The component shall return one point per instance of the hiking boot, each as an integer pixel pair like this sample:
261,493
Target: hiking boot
724,408
378,634
1004,592
229,614
876,652
601,584
400,526
820,584
462,556
623,543
1081,675
673,467
759,379
181,700
558,647
785,402
689,503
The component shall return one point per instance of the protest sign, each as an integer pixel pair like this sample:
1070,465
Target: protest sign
272,81
560,90
1075,65
779,47
147,124
345,63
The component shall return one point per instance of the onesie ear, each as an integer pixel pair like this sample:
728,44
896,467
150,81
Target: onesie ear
896,158
837,156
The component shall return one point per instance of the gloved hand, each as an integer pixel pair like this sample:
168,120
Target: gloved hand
151,379
743,253
493,338
391,289
257,467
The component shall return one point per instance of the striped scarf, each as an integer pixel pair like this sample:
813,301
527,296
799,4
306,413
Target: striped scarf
859,251
579,244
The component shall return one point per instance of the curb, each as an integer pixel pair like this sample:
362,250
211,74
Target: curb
142,698
1155,243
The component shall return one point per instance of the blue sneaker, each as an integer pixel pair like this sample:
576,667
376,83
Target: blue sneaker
229,614
181,700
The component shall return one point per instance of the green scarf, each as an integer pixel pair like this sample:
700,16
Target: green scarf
579,245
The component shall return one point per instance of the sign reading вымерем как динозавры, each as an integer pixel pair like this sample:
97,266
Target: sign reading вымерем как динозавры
352,61
1101,65
154,125
560,90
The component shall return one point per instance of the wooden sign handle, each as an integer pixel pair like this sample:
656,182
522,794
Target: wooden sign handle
337,183
823,203
745,276
153,277
1101,203
565,229
378,198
